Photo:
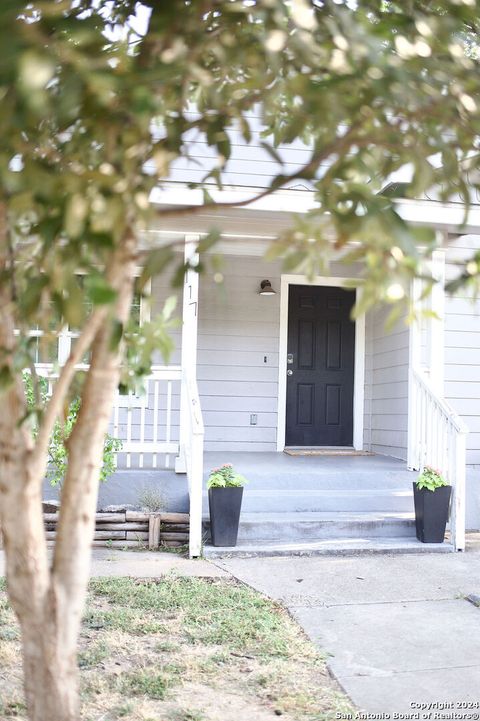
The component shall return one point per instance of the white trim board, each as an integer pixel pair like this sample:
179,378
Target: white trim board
359,368
449,216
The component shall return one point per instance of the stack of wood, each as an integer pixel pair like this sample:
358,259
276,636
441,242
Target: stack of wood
133,529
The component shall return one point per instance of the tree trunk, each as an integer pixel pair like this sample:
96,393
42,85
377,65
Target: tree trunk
50,668
49,603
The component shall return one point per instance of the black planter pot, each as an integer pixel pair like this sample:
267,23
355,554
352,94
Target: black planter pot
225,505
431,513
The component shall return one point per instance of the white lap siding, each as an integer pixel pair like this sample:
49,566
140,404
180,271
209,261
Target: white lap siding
238,336
386,385
238,347
462,347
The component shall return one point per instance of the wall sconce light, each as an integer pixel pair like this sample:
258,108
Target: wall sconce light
266,288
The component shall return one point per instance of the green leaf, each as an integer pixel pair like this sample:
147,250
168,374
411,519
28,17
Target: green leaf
272,152
74,306
31,296
157,261
116,334
169,306
99,291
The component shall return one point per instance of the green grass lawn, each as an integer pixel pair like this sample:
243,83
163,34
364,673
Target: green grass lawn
184,649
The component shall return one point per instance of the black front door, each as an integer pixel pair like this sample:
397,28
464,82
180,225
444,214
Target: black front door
320,363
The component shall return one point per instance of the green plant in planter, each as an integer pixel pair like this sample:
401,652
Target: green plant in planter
430,479
225,491
225,477
431,496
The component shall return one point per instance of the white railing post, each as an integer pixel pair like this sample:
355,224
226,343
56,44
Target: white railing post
189,339
457,517
196,497
193,454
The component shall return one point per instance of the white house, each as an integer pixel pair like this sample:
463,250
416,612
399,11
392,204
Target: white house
256,373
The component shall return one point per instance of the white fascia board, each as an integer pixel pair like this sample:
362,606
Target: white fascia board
287,201
442,216
431,213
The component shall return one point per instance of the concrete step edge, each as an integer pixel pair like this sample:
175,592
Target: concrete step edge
325,517
329,547
326,492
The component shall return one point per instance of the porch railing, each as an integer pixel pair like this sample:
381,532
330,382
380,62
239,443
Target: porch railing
142,422
192,435
437,438
146,416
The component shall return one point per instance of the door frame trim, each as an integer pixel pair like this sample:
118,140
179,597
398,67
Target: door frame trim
359,368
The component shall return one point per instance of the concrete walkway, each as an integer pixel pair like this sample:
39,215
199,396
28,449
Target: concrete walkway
143,564
398,630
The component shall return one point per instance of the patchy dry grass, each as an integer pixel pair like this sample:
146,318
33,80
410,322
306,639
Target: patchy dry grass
184,649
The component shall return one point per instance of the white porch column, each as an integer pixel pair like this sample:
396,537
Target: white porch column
436,350
414,355
189,337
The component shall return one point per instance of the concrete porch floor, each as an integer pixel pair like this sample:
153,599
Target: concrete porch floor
280,470
274,475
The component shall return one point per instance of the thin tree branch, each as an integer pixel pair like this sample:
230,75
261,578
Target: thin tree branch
35,384
62,385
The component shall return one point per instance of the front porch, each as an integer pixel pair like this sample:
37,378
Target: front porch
304,505
226,400
396,404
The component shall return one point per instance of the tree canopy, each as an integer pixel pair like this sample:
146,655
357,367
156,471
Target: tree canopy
97,98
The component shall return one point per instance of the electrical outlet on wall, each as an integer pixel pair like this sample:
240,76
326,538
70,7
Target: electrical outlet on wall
253,419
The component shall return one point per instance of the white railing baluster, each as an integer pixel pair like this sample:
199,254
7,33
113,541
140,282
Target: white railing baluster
142,431
129,434
116,413
168,430
155,422
437,438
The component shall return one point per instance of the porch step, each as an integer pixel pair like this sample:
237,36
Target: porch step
300,527
330,547
317,500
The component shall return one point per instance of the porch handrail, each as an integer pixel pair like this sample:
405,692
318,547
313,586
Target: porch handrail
193,434
437,438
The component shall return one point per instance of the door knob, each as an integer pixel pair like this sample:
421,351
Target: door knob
289,372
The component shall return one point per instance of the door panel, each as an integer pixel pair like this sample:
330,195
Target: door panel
321,340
